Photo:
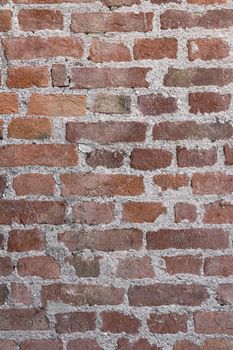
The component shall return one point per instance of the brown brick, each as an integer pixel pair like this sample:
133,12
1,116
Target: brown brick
51,155
196,157
7,344
217,344
169,181
126,344
84,267
187,264
105,158
225,294
106,132
8,103
37,19
133,267
57,105
212,183
185,345
219,266
35,184
75,322
149,159
167,294
185,211
228,152
59,75
39,344
21,294
188,239
107,51
30,128
3,296
45,267
156,104
24,240
116,322
208,49
108,240
102,22
38,47
167,323
111,104
23,320
92,213
218,213
83,343
208,102
31,212
140,212
27,77
155,49
95,185
94,77
6,266
213,322
5,20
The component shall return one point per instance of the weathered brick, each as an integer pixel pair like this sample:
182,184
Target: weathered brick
23,320
5,20
210,322
167,294
106,51
98,22
140,212
187,264
126,344
7,344
105,158
208,102
37,19
225,294
42,266
84,267
108,240
158,48
37,184
93,77
212,183
3,296
32,212
83,343
38,344
95,185
208,49
6,266
27,77
59,75
21,48
149,159
30,128
75,322
167,323
57,105
156,104
111,104
132,268
185,344
196,157
219,266
116,322
92,213
8,103
169,181
188,239
24,240
21,294
217,344
185,212
228,152
218,213
105,132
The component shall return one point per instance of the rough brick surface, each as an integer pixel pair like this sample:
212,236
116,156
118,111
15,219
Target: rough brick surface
116,175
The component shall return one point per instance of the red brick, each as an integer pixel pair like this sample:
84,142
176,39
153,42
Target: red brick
185,211
213,322
187,264
95,185
228,152
119,3
84,343
59,75
212,183
188,239
133,267
196,157
140,212
37,19
149,159
105,158
51,155
198,77
208,49
169,181
106,51
213,19
106,132
125,344
75,322
26,77
217,344
38,47
108,240
185,345
156,104
93,77
102,22
160,2
155,49
218,213
225,294
219,266
190,130
42,266
92,213
25,240
84,267
82,294
208,102
111,104
2,184
167,294
37,184
3,296
8,103
167,323
1,241
30,128
21,294
23,320
7,344
5,20
6,266
38,344
32,212
116,322
57,105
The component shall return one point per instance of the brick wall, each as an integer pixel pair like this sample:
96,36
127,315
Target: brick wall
116,176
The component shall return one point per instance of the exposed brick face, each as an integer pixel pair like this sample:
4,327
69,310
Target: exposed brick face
116,178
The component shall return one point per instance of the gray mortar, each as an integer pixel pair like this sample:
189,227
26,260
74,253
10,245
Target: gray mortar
169,198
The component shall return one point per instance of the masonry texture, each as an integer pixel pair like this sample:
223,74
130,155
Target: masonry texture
116,179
